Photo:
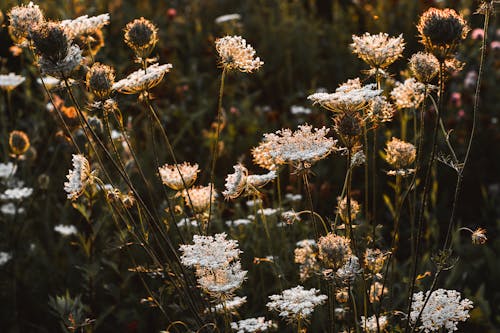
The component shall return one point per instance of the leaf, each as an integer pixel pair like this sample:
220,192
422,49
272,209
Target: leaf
389,205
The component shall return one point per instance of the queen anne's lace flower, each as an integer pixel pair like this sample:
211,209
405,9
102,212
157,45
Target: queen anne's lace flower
210,252
10,81
235,53
400,155
221,281
7,170
378,51
306,255
252,325
296,302
66,230
198,198
17,194
230,305
22,20
142,80
172,175
370,324
64,67
240,182
443,310
408,94
78,178
85,24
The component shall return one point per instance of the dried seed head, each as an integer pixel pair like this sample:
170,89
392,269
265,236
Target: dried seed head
52,41
78,178
374,260
19,142
441,30
141,36
376,291
424,66
349,126
22,20
408,95
100,80
479,236
199,198
380,110
90,42
342,209
400,154
334,251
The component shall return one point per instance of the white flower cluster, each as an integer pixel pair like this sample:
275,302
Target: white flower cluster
217,264
66,230
252,325
370,324
175,176
443,310
16,194
78,178
296,302
142,80
7,170
378,51
235,53
240,182
63,68
227,18
348,97
10,81
408,94
304,146
4,258
230,305
85,24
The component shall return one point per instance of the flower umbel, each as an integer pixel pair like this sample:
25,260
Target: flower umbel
172,175
79,177
296,303
378,51
236,54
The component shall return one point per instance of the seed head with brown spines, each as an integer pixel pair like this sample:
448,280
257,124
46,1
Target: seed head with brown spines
424,66
19,142
100,80
22,20
51,41
334,251
141,35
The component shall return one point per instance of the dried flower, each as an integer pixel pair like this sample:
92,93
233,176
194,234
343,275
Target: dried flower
306,255
400,154
240,182
479,236
142,80
408,95
424,66
19,142
342,209
378,51
349,127
141,36
444,309
79,177
376,291
374,260
334,251
347,273
252,325
380,110
441,30
262,157
370,324
9,82
198,198
173,175
230,305
100,80
85,24
296,303
236,54
22,20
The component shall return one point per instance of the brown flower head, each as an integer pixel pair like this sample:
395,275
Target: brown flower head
141,36
100,80
424,66
19,142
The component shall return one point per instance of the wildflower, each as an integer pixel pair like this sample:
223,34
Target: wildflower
238,222
66,230
262,156
267,211
100,79
22,20
349,127
240,182
198,198
227,18
479,236
370,324
252,325
174,175
290,216
380,110
254,202
296,303
4,257
19,142
79,177
187,222
424,66
17,193
230,305
306,256
210,252
444,309
142,80
400,154
85,24
298,110
49,81
9,82
408,95
374,260
347,273
11,209
293,197
223,281
334,251
378,51
301,148
7,170
358,159
236,54
141,36
376,291
441,30
342,209
349,97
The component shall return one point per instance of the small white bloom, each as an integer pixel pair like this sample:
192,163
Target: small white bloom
238,222
142,80
230,305
296,302
227,18
4,258
10,81
78,178
18,193
66,230
11,209
252,325
7,170
85,24
370,324
210,252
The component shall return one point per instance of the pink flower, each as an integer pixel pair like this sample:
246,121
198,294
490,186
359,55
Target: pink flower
456,99
495,45
477,33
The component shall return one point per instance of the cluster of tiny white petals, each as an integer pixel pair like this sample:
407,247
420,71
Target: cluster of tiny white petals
78,178
305,145
444,309
11,208
173,175
227,18
370,324
252,325
221,281
22,20
238,222
142,80
229,305
63,68
378,51
210,252
10,81
240,182
235,53
296,302
4,257
348,97
199,197
85,24
408,94
261,180
17,193
7,170
66,230
268,211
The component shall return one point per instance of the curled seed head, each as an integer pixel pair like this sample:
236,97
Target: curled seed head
19,142
141,36
100,80
52,41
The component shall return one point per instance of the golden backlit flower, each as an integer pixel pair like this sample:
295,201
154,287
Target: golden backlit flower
236,54
19,142
400,154
378,51
173,175
141,36
342,209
